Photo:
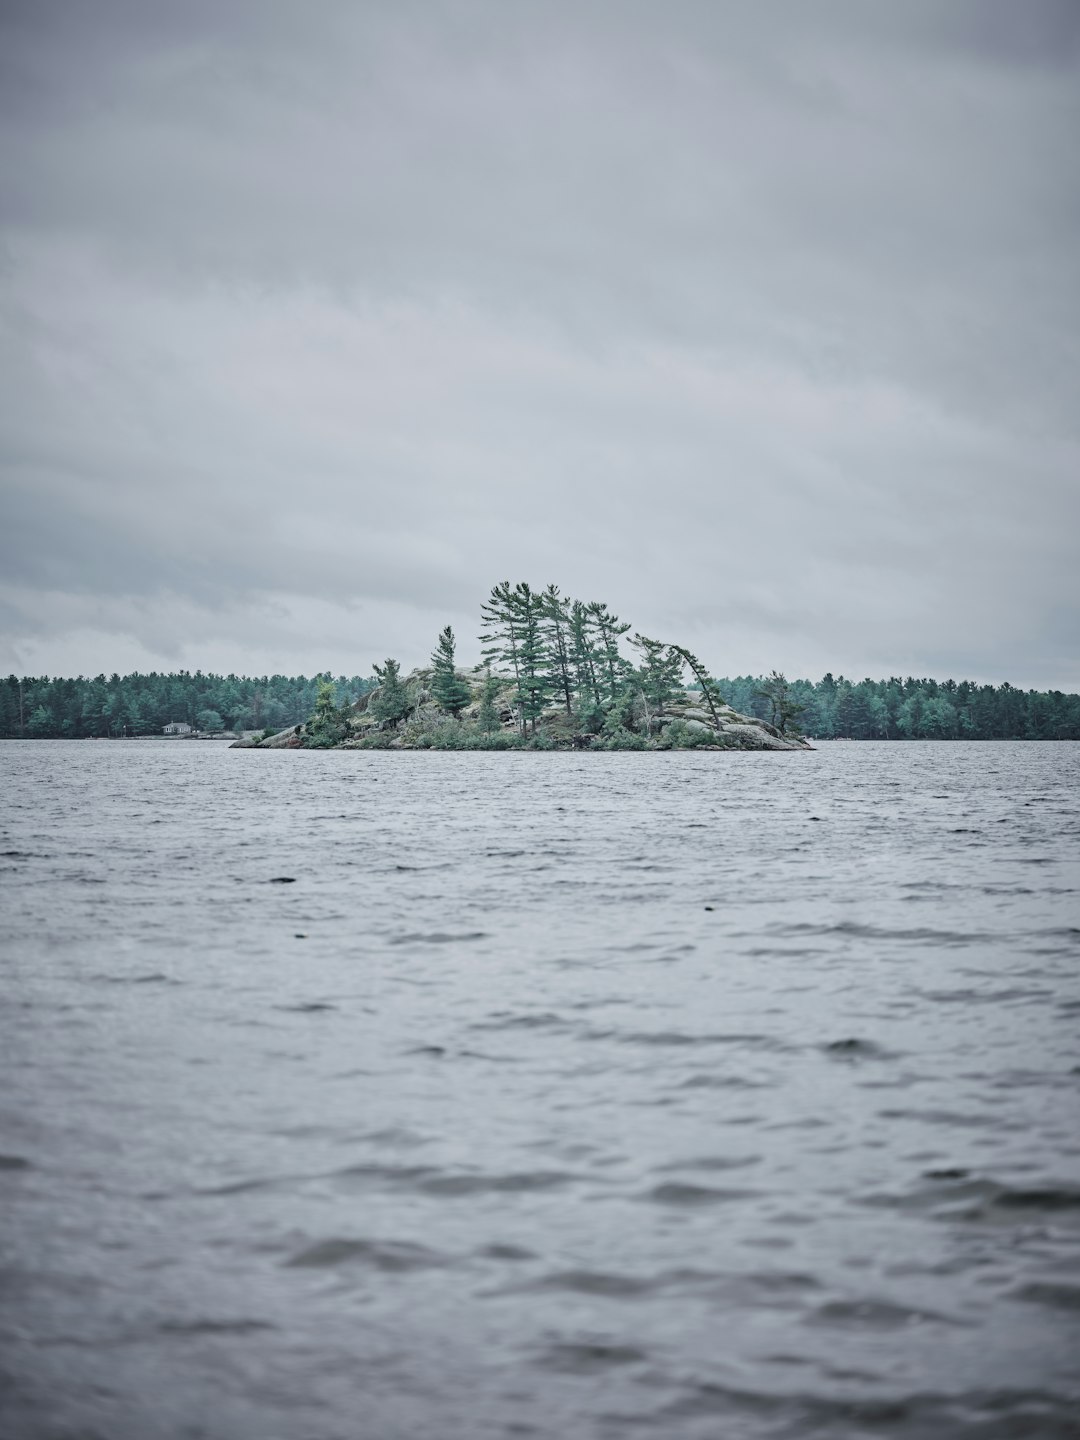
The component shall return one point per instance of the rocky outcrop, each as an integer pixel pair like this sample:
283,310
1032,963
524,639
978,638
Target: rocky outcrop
726,729
291,739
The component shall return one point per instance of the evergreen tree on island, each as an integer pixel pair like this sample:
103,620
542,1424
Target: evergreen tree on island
487,719
391,702
450,691
659,674
514,620
328,725
784,710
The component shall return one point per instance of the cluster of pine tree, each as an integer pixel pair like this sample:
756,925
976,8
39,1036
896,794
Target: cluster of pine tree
559,652
554,673
910,709
131,705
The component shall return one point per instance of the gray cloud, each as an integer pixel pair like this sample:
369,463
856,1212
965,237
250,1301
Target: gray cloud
758,322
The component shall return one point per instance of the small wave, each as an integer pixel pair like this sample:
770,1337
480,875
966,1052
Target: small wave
919,934
962,1119
396,1137
1059,1297
213,1327
852,1048
585,1357
1053,1199
242,1187
456,1185
714,1162
438,937
500,1251
674,1192
956,1194
14,1162
545,1020
430,1180
386,1255
997,1414
980,997
601,1283
674,1039
662,1038
871,1314
785,952
156,977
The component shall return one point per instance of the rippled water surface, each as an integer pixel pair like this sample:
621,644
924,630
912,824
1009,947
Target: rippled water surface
360,1096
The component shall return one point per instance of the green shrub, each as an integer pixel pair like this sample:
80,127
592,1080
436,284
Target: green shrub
380,740
619,738
319,741
539,741
497,740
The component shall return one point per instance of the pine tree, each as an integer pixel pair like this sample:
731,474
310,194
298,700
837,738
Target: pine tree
391,702
584,659
784,710
710,691
513,617
451,692
41,722
659,673
612,666
500,638
329,723
556,628
535,683
487,719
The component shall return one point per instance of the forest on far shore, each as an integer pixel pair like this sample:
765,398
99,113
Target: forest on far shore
914,709
832,708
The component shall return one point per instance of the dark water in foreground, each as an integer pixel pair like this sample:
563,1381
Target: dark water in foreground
488,1125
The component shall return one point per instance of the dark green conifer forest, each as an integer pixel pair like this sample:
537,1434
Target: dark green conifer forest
131,705
911,709
560,653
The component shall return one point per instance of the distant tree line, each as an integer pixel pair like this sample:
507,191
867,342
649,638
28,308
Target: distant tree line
910,709
119,705
558,653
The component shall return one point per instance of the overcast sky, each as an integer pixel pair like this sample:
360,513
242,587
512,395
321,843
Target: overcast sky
760,322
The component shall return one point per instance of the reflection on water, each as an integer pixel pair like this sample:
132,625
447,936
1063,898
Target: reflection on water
473,1095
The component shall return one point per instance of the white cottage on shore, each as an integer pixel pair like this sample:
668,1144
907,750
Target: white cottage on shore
177,727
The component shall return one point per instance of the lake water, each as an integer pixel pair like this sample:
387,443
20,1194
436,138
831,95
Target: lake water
666,1095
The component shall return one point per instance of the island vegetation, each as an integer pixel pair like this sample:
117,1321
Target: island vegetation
555,674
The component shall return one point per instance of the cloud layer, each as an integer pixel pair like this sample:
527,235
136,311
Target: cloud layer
759,323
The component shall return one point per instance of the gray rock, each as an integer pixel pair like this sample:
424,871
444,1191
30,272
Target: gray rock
762,739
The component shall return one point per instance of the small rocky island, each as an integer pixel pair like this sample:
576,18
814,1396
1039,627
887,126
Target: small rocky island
554,676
